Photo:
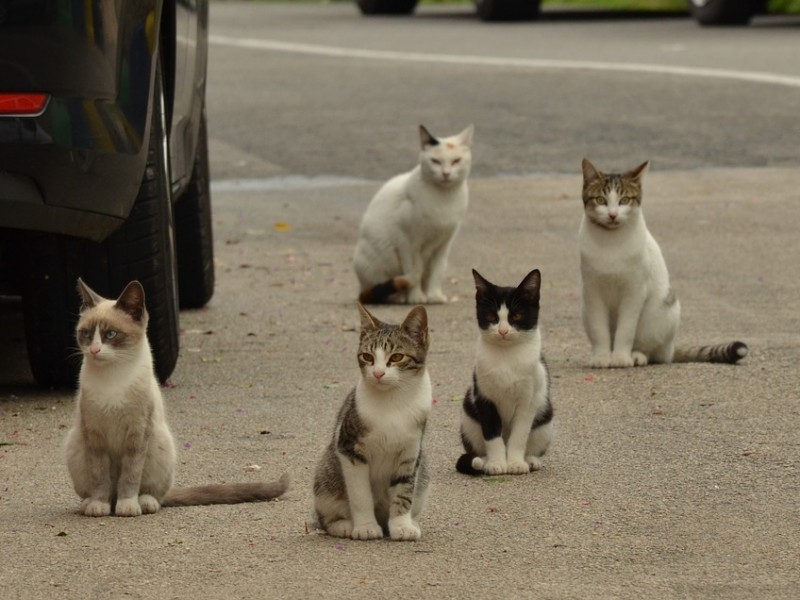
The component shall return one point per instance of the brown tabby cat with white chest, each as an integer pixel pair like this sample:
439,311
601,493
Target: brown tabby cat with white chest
120,451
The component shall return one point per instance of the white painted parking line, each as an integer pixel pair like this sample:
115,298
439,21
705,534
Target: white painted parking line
506,62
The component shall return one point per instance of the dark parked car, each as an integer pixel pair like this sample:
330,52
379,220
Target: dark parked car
103,166
706,12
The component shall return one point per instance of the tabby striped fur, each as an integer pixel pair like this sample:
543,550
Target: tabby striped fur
372,479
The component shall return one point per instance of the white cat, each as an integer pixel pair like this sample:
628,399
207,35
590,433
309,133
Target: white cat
120,452
630,312
410,224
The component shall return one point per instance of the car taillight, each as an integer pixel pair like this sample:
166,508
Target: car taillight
22,105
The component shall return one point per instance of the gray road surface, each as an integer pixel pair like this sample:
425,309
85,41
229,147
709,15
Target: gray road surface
665,482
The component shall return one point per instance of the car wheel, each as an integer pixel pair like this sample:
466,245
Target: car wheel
193,232
723,12
507,10
386,7
142,248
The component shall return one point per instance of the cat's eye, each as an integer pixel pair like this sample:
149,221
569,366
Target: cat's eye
456,161
516,317
600,201
492,318
366,357
624,201
396,357
110,334
436,161
85,334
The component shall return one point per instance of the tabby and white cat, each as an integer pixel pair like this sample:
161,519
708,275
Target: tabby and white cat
630,312
372,479
120,452
410,224
507,417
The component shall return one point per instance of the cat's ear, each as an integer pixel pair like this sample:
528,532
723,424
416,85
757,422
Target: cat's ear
368,321
531,284
426,139
416,325
465,137
638,171
89,298
131,301
590,172
482,285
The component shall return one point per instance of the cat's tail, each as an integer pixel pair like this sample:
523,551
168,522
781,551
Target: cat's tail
226,493
730,353
466,464
380,293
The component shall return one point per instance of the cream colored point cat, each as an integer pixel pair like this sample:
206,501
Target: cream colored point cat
120,451
409,226
630,313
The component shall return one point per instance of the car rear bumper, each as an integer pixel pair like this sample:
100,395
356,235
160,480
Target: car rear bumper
77,167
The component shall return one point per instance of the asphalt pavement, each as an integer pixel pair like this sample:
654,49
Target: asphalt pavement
664,482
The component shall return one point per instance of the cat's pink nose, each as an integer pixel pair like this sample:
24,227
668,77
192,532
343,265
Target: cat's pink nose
612,216
503,331
95,350
378,374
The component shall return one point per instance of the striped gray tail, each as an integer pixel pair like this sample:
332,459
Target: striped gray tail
730,353
226,493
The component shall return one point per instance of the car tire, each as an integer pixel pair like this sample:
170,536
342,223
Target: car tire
723,12
142,248
507,10
193,232
386,7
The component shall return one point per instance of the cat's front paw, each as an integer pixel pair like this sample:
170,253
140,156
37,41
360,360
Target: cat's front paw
417,296
534,462
518,467
128,507
437,297
621,360
639,359
495,467
600,360
149,504
404,532
342,528
368,531
95,508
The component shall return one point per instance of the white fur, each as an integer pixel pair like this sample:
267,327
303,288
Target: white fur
411,222
509,370
624,286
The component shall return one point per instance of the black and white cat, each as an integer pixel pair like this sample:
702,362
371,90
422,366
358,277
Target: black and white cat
410,224
372,479
507,417
630,312
120,452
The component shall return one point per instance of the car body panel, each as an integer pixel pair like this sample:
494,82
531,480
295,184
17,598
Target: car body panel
77,167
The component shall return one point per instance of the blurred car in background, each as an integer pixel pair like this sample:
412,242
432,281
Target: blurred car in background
705,12
103,166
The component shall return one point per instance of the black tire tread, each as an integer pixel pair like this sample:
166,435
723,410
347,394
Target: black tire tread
194,239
